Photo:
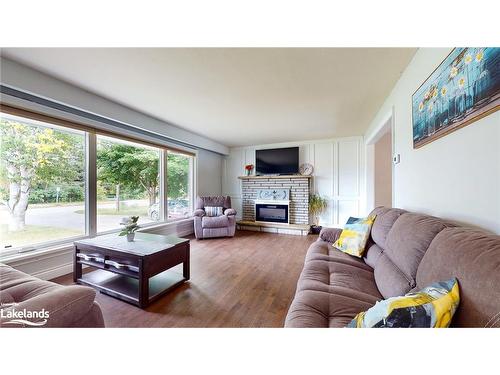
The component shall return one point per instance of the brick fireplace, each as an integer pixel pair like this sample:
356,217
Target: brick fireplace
258,190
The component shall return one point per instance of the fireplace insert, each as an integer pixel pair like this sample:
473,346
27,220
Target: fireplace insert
271,212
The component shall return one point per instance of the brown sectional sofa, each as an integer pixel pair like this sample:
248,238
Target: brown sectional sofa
406,251
68,306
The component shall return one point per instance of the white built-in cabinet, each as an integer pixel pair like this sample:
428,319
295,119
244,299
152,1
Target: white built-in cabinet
338,174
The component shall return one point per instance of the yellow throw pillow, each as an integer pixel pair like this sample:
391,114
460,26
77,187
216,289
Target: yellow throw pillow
353,238
432,307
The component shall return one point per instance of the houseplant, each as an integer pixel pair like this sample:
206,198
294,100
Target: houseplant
317,205
129,226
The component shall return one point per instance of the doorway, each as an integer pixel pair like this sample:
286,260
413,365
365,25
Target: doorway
383,171
379,171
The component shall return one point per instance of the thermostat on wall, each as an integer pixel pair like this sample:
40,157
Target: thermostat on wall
396,158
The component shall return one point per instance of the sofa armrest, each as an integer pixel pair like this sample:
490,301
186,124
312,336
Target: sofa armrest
199,212
230,211
330,234
64,305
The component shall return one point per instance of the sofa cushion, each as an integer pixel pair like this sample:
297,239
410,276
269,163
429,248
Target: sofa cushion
390,280
320,309
473,257
333,287
322,250
373,252
408,239
385,219
330,275
214,222
20,286
431,307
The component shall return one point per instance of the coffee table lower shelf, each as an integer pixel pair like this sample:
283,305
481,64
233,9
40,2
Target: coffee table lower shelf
127,288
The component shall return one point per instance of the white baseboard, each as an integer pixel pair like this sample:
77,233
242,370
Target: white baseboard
57,271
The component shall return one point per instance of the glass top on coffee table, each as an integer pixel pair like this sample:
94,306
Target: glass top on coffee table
143,244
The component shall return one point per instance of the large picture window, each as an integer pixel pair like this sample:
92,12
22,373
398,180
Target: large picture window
128,182
179,185
48,195
42,182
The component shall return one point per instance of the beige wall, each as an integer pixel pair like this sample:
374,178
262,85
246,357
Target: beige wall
383,171
209,178
455,177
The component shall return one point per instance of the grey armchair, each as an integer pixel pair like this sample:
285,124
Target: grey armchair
214,226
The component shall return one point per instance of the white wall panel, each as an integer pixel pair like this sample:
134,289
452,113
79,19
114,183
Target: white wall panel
348,168
249,158
347,208
328,217
306,154
323,168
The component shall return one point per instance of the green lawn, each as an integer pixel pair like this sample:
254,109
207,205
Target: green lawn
124,211
33,234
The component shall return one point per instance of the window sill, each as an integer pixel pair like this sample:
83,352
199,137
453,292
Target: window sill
59,249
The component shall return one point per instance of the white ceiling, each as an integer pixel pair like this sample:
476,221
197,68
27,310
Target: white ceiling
236,96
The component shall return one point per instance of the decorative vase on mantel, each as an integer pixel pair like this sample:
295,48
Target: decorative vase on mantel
248,169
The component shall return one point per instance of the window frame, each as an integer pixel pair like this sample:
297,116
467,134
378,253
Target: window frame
135,143
90,203
191,184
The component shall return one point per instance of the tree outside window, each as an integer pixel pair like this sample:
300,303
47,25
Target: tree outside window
128,182
41,171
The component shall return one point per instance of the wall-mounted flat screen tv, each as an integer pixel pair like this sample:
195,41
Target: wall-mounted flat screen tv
277,161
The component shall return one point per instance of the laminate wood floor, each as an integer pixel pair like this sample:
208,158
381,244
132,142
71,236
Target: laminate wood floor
245,281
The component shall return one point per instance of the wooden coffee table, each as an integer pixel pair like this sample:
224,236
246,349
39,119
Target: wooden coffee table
137,272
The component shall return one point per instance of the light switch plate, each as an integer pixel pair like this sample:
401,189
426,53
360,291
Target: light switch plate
396,158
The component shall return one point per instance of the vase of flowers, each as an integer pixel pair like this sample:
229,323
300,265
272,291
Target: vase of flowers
249,169
129,226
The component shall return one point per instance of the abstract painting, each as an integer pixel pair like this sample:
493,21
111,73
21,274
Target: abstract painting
464,88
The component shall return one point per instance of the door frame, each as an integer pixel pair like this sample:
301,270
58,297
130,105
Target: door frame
386,124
